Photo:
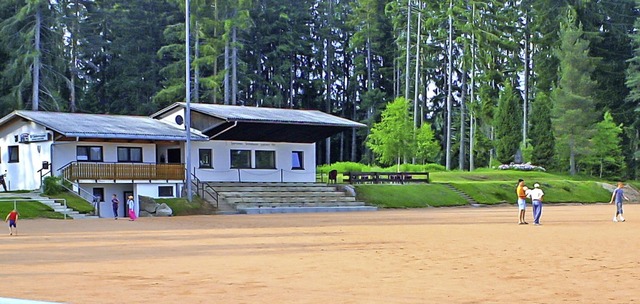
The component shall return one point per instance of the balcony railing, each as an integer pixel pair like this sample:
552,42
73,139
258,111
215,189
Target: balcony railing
123,171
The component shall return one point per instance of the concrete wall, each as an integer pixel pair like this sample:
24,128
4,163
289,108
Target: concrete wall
221,161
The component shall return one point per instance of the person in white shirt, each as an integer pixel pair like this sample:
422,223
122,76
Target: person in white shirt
536,200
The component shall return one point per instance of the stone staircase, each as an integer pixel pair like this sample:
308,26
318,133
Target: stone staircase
60,208
261,198
468,198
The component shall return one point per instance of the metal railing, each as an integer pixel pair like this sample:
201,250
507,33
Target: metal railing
83,194
204,190
38,200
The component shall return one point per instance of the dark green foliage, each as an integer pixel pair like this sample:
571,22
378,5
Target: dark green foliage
52,185
508,125
541,132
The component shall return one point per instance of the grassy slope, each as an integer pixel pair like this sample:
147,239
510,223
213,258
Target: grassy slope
485,186
29,209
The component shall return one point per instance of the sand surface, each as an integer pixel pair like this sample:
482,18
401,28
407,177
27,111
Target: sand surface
446,255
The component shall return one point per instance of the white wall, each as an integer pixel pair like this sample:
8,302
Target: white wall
143,189
23,175
65,152
222,170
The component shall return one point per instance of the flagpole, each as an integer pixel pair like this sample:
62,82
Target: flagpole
187,114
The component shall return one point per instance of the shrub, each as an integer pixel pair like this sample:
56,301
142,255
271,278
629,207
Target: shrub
52,185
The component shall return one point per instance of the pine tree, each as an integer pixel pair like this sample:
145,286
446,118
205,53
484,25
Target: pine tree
574,112
541,132
507,125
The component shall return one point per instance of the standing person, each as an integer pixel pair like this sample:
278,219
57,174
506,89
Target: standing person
114,203
618,196
132,211
522,201
12,218
536,200
2,181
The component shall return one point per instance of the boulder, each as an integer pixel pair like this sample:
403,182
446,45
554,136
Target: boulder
164,210
148,204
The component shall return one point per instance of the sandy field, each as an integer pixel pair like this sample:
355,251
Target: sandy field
446,255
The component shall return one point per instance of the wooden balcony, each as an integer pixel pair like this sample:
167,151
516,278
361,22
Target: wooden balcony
123,171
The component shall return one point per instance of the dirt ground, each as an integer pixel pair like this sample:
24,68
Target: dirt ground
446,255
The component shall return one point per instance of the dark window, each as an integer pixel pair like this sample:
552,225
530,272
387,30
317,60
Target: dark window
265,159
14,154
165,191
129,155
205,158
241,159
297,160
91,154
98,193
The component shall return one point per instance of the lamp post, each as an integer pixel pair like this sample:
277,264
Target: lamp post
187,114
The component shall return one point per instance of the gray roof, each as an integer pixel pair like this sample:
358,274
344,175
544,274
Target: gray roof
105,126
267,115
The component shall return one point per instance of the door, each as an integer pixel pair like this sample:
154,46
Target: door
173,156
125,199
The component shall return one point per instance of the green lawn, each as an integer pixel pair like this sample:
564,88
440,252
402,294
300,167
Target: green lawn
408,196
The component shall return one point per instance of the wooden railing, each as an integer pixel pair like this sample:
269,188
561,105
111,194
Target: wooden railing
123,171
386,177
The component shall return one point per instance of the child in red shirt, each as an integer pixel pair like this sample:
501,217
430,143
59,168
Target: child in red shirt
12,218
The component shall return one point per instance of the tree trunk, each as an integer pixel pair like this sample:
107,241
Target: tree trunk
227,85
35,90
463,128
527,62
449,87
572,156
406,72
328,78
196,72
417,80
234,66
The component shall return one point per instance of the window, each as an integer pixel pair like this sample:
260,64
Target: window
265,159
165,191
129,155
241,159
297,160
85,153
98,194
205,158
14,154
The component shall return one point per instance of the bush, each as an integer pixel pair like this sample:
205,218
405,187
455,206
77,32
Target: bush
52,185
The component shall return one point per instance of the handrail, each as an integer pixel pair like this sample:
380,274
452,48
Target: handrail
94,199
205,189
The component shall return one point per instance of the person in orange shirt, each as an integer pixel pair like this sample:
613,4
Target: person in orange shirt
522,201
12,218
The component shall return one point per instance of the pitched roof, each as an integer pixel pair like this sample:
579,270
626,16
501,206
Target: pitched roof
104,126
266,115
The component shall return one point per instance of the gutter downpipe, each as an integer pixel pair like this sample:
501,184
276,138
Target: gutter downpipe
235,123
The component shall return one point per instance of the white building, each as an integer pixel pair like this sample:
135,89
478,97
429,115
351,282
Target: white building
101,155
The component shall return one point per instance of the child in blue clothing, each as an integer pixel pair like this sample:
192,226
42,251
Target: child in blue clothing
618,196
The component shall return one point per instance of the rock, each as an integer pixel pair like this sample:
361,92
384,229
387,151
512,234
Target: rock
164,210
145,214
148,204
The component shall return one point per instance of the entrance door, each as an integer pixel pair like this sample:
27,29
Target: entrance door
173,156
126,198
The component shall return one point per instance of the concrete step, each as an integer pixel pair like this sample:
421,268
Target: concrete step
220,189
279,194
305,209
288,199
294,204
